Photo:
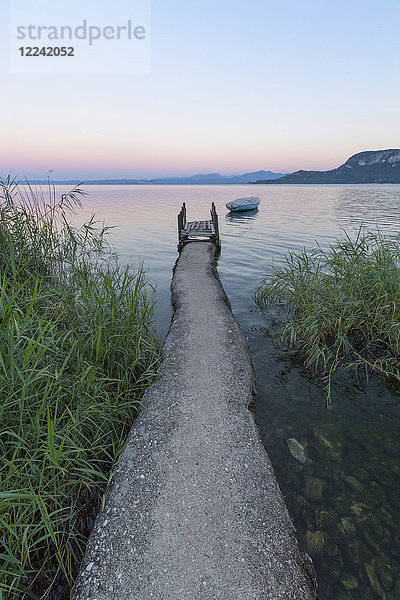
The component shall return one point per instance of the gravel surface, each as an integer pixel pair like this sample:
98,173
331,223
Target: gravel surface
193,510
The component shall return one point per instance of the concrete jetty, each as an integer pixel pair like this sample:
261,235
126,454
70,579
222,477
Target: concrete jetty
193,510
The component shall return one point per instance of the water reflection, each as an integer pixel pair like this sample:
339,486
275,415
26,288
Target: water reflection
241,216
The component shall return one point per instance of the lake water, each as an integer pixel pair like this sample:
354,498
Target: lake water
345,500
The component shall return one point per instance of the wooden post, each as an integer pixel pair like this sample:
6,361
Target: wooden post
179,226
214,217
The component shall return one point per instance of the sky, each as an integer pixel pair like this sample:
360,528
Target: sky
232,86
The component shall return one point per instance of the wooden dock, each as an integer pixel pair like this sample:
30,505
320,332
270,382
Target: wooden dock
198,231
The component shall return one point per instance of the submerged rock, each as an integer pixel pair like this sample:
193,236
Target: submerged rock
340,504
354,552
361,474
349,582
395,468
315,541
354,483
314,488
374,533
374,525
372,542
387,517
336,565
331,548
332,447
360,510
377,491
324,518
384,572
302,501
348,526
298,450
373,578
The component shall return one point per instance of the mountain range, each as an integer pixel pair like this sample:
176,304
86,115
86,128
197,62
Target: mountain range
200,179
375,166
217,178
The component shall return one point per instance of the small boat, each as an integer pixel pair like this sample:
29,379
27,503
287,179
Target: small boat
248,203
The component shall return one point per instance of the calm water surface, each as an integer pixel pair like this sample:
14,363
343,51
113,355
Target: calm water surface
345,499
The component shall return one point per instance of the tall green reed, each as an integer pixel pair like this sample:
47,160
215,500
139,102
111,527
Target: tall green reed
77,349
344,305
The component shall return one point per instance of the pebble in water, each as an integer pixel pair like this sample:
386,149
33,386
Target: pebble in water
298,450
315,541
354,483
349,582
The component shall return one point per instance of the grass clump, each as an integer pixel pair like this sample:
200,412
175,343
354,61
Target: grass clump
76,351
344,305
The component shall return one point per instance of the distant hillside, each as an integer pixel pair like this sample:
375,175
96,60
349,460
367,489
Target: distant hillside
377,166
200,179
213,178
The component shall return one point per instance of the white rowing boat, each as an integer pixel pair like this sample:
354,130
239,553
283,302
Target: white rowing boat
247,203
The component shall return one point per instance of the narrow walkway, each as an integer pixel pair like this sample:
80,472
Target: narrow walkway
193,511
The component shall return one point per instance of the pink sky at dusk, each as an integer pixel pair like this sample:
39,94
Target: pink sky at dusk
280,87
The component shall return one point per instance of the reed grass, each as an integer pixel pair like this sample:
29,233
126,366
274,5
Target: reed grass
344,305
77,350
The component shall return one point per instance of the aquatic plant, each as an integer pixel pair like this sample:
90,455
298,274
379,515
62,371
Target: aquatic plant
344,305
77,349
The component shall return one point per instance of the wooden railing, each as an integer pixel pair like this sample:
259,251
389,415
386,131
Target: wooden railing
202,230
